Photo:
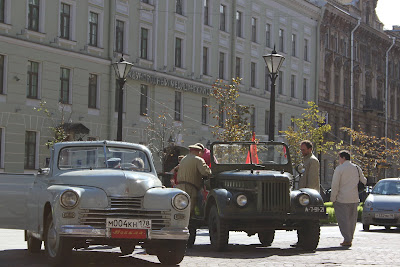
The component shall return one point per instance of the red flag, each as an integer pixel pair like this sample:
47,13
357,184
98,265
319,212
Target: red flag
252,152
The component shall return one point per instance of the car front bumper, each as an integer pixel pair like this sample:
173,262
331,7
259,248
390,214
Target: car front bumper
381,218
86,231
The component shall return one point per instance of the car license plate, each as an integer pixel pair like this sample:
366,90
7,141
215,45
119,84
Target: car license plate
384,215
128,228
315,209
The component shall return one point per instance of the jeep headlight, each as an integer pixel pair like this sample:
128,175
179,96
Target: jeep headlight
180,201
69,199
304,199
241,200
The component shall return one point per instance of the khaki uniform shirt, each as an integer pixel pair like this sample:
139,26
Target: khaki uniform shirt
345,183
310,178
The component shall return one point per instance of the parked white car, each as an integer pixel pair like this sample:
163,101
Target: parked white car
96,193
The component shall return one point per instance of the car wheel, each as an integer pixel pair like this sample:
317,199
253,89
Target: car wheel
58,249
173,253
192,236
387,227
267,237
366,227
127,249
34,244
218,230
308,235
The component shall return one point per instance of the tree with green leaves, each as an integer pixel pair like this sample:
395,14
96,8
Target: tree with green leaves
57,126
232,118
310,126
373,154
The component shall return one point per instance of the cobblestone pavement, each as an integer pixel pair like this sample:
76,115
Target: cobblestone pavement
377,247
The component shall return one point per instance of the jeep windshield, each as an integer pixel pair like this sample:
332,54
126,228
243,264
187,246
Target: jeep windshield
250,153
99,157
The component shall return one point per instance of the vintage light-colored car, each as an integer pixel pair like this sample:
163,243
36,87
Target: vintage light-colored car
99,192
382,206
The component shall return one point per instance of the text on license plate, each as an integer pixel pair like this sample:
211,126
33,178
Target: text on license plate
384,215
314,209
128,223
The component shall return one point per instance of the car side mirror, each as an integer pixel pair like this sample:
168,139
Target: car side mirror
300,168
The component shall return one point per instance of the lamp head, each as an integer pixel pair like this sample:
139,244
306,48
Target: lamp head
122,68
274,61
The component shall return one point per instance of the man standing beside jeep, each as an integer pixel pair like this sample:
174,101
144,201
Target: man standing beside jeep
310,178
191,170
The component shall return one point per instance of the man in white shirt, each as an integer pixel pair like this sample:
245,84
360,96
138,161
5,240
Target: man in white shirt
344,195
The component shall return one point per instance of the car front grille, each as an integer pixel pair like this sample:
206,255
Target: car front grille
275,196
126,208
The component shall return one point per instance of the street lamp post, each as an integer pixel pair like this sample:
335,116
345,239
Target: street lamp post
122,69
274,62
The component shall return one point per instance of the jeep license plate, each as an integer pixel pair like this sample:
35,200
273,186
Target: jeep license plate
315,209
128,228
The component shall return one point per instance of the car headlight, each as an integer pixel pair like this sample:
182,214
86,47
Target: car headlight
304,199
180,201
69,199
241,200
368,204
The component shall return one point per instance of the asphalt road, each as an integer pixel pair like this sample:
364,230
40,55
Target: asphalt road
378,247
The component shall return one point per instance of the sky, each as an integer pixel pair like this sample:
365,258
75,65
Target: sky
388,13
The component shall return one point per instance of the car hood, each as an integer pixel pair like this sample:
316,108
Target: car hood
114,182
384,202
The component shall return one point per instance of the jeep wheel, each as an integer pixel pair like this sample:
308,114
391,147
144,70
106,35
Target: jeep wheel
267,237
192,236
308,235
219,233
34,244
366,227
58,249
127,249
173,253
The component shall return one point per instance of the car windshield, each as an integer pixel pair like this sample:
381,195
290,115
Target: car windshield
387,188
247,153
98,157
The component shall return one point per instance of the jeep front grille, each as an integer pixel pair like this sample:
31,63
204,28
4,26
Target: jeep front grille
127,208
275,196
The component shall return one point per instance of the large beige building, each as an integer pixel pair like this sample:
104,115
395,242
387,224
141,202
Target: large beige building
61,51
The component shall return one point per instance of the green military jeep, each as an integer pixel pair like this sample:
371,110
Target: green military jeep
251,190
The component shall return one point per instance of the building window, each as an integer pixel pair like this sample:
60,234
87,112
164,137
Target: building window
206,12
144,92
293,86
178,52
205,60
33,15
144,33
65,17
253,119
93,28
32,87
281,40
268,35
267,81
178,106
179,7
305,88
253,29
222,17
2,91
306,49
2,12
253,74
119,36
280,82
221,115
204,110
65,86
266,126
280,122
92,100
294,41
238,67
292,124
30,150
221,73
145,1
239,24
